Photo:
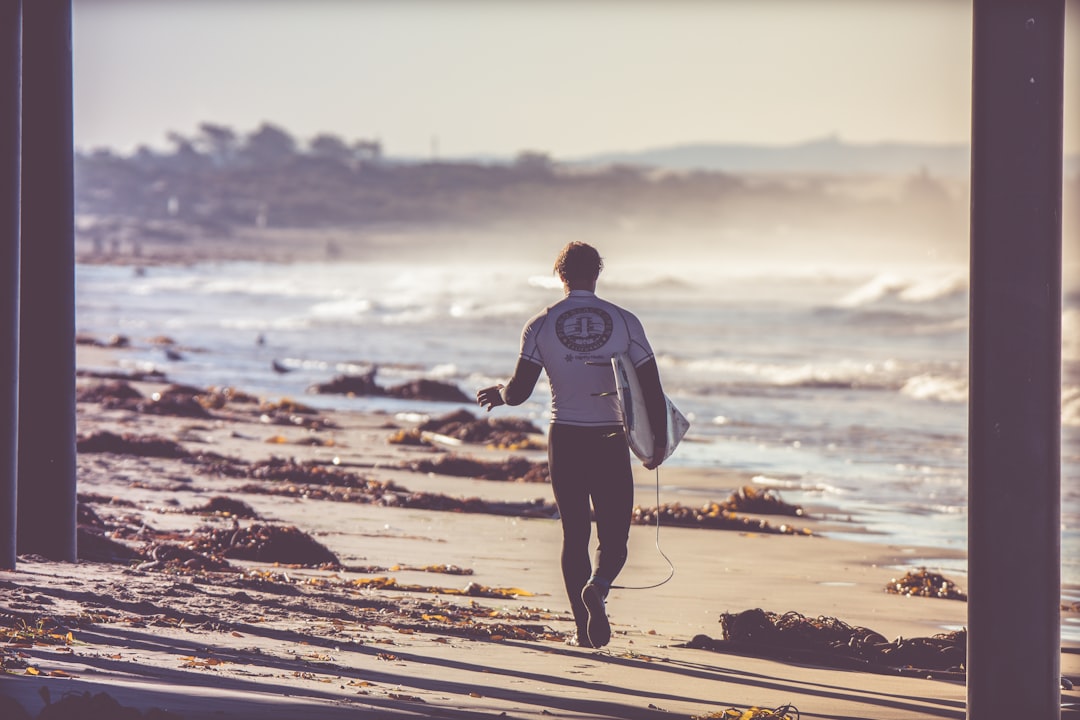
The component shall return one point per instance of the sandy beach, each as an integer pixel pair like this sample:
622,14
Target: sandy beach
423,612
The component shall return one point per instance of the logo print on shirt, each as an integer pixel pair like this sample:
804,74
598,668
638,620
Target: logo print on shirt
583,329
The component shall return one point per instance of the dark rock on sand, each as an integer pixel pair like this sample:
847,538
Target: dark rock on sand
365,386
128,444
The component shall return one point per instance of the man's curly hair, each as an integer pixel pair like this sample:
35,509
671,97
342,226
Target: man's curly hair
578,264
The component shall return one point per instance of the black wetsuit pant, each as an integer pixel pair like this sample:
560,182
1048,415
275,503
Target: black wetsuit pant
591,464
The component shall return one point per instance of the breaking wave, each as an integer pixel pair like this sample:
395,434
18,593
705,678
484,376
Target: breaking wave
928,386
890,287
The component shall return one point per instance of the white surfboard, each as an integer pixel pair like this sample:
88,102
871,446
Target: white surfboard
639,432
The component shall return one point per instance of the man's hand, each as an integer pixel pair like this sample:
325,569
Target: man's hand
490,397
659,450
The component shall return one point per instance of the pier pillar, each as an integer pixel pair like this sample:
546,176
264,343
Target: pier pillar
10,143
46,483
1014,422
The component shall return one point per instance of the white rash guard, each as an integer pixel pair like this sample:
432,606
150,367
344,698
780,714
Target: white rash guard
574,340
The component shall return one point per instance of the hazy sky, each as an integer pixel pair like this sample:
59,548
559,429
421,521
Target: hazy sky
568,77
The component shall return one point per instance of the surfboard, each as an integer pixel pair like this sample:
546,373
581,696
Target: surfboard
639,432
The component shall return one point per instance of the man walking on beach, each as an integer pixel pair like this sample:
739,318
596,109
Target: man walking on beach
574,340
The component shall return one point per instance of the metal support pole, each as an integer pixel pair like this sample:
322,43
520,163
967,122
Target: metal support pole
47,499
1014,475
10,142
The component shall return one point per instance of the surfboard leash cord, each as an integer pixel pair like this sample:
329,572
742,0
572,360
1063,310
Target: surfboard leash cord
671,565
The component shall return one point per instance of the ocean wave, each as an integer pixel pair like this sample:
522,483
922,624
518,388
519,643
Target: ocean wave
444,371
545,282
164,284
263,324
481,309
408,311
797,484
343,309
843,374
292,286
898,322
892,287
928,386
956,390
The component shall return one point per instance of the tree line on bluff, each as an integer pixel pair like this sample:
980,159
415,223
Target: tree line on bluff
218,180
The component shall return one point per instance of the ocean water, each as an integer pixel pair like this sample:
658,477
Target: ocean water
841,389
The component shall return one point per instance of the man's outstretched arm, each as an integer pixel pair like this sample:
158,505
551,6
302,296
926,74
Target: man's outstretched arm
516,391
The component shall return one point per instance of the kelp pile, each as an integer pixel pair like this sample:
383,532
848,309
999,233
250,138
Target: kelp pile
294,414
200,403
214,398
223,506
712,516
175,400
154,376
383,493
500,432
114,341
320,481
96,546
130,444
181,559
312,479
326,482
287,545
514,469
291,470
365,385
765,502
208,550
117,390
94,539
202,549
832,642
922,583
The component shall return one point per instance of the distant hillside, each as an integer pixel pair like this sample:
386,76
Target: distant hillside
828,156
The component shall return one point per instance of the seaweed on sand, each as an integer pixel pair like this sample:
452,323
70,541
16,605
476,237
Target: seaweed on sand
832,642
923,583
765,502
517,469
511,433
287,545
130,444
712,515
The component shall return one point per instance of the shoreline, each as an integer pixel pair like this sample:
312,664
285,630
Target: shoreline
395,633
692,483
702,484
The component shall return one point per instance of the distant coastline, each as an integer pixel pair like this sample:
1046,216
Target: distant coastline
829,155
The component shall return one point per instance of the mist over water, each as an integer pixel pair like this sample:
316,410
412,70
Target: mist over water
839,380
